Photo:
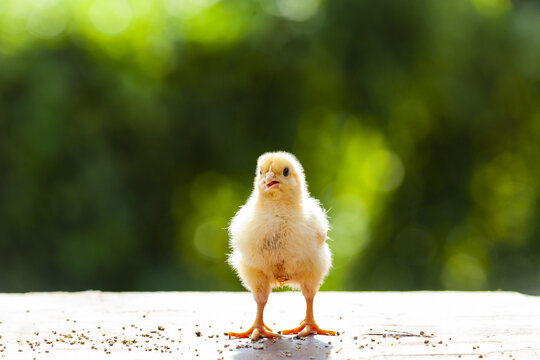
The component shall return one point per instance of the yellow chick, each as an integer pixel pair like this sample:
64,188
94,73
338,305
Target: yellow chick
279,237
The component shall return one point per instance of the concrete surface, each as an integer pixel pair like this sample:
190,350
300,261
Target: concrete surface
187,325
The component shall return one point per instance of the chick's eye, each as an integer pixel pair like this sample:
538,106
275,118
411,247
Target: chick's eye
286,172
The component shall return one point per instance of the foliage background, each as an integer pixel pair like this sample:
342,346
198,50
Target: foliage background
129,131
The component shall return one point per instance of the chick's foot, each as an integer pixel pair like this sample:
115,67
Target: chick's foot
306,329
255,332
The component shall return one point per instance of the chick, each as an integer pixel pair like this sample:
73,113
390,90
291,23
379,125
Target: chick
279,237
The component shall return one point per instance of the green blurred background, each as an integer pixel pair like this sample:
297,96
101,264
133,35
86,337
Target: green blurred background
129,132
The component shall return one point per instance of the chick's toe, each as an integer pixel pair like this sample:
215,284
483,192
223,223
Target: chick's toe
306,329
255,332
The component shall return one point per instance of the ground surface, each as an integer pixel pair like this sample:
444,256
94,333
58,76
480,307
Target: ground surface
390,325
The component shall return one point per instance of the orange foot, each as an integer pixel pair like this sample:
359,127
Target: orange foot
255,332
305,329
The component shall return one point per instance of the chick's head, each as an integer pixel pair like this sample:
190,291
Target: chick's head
279,175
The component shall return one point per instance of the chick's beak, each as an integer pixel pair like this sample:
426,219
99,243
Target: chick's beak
269,176
270,179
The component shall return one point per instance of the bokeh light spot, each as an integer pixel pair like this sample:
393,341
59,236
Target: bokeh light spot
383,171
492,7
187,8
110,17
48,20
298,10
210,238
349,225
464,272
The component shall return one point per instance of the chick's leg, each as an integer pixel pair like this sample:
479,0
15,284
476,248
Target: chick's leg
308,325
258,328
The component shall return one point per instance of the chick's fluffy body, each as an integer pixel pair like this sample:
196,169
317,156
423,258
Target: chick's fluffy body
279,236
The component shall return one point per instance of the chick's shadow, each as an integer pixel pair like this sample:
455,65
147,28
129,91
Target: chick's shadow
311,347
